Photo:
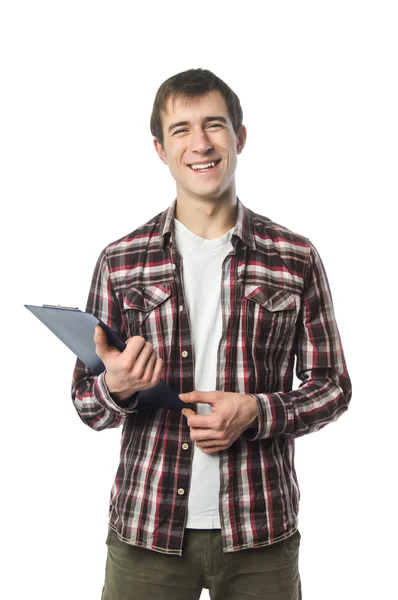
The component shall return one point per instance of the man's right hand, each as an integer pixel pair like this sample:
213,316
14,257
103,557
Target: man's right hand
136,368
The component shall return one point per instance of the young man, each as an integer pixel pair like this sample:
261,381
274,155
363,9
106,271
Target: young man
218,301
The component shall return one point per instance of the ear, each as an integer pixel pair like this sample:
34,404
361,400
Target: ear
160,150
241,139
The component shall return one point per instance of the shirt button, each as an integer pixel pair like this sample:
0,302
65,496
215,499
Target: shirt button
181,308
185,446
185,353
173,266
181,491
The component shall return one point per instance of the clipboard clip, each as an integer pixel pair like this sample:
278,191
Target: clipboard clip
59,306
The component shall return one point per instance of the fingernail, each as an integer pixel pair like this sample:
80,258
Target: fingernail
183,396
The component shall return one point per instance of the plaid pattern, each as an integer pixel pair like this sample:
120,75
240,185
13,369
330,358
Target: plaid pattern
277,308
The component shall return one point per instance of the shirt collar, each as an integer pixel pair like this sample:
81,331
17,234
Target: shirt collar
243,228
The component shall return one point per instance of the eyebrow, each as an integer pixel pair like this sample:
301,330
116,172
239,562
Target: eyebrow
205,120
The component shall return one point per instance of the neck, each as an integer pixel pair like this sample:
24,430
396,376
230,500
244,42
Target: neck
207,217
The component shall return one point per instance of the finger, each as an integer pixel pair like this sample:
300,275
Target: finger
212,449
210,443
187,412
153,370
157,371
205,436
135,345
99,336
137,354
148,368
199,421
147,376
102,347
201,397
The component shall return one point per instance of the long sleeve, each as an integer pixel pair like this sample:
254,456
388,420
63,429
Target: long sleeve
325,391
90,394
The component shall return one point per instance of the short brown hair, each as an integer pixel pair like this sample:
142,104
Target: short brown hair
188,84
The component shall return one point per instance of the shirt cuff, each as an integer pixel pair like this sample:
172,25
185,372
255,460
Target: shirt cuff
273,416
103,395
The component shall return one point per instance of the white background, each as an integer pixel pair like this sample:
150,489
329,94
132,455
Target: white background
318,86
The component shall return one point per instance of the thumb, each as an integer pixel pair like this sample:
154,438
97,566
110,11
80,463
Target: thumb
102,347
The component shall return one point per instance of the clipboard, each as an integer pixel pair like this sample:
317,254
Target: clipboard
75,329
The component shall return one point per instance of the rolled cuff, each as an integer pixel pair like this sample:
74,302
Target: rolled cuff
103,396
273,416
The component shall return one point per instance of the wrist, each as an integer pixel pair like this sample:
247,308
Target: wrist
253,414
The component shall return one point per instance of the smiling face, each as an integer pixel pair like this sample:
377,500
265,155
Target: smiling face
200,146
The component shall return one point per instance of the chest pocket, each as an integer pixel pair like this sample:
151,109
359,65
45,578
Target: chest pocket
148,312
271,315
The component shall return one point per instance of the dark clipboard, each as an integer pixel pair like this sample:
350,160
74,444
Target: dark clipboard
75,329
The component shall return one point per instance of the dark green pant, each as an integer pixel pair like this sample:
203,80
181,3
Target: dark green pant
269,573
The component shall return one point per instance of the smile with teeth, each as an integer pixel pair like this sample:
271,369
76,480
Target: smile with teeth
204,167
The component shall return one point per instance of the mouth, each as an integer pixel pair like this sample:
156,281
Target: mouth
204,167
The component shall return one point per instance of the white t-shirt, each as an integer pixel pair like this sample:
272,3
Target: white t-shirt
201,269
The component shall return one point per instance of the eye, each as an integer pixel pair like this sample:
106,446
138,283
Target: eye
215,125
179,131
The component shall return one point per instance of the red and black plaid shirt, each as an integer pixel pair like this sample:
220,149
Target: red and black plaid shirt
277,309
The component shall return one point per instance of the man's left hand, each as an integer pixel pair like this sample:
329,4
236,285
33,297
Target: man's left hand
231,415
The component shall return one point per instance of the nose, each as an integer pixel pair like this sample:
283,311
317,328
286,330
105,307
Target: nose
200,142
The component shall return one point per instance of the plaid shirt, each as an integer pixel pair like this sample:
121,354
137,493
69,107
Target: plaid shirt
276,308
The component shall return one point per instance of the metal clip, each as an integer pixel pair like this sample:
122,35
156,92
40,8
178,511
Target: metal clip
59,306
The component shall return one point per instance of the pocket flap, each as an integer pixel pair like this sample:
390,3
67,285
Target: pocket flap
146,298
273,300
